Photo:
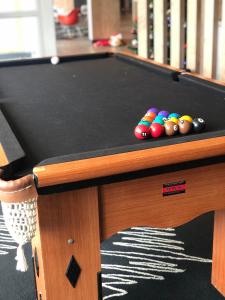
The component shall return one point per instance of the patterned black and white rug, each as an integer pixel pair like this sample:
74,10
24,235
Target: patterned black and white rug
139,263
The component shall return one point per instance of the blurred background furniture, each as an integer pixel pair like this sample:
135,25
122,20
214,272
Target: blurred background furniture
184,33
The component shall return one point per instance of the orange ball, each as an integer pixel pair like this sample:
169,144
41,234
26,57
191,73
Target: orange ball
147,118
151,114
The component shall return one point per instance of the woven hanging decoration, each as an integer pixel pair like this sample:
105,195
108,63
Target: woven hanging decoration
19,204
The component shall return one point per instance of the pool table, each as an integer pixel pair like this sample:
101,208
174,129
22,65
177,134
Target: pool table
73,124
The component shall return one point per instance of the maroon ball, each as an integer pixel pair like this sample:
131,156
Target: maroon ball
171,128
184,126
142,132
157,130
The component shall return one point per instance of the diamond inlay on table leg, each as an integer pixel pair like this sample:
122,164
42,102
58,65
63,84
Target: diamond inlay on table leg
73,271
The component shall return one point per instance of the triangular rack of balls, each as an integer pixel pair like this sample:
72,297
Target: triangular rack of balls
157,123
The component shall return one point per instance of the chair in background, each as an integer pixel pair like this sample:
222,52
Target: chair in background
73,24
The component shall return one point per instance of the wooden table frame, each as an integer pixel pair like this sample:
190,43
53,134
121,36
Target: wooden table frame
93,214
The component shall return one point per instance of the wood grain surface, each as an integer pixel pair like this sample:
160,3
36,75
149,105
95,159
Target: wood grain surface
218,265
70,215
127,162
3,157
140,202
169,67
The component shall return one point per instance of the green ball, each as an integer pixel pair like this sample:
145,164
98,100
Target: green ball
146,123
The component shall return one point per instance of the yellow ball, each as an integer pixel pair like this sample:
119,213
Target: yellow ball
173,119
187,118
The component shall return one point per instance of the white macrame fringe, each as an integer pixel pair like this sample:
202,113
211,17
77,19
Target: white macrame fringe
20,220
21,259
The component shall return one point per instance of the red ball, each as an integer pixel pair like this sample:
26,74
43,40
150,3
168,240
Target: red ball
157,130
142,132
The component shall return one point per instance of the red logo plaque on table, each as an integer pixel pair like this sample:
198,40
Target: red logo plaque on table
173,188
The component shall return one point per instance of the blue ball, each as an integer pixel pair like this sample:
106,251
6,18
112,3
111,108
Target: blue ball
174,115
159,119
163,113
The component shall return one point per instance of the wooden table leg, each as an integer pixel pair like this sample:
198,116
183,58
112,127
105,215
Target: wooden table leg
218,263
68,226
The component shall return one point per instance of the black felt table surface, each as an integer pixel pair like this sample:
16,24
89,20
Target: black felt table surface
89,107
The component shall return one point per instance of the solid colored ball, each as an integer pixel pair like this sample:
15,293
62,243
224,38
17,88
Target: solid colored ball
134,43
146,123
153,109
142,132
174,115
55,60
159,119
175,120
157,130
198,124
147,118
151,114
163,113
187,118
184,126
171,128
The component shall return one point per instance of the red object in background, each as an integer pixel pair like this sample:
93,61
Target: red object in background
101,43
71,18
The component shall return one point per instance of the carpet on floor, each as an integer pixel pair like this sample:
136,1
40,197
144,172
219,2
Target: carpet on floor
140,263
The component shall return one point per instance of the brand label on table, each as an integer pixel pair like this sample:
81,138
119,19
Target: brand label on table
173,188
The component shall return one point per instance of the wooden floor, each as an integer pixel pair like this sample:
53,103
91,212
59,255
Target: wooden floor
81,45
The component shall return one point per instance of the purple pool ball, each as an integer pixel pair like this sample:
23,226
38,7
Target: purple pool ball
153,109
163,113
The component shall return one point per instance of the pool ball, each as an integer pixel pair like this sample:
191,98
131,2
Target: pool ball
153,109
187,118
184,126
175,120
147,118
134,43
163,113
174,115
159,119
198,124
55,60
146,123
142,132
156,130
171,128
151,114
